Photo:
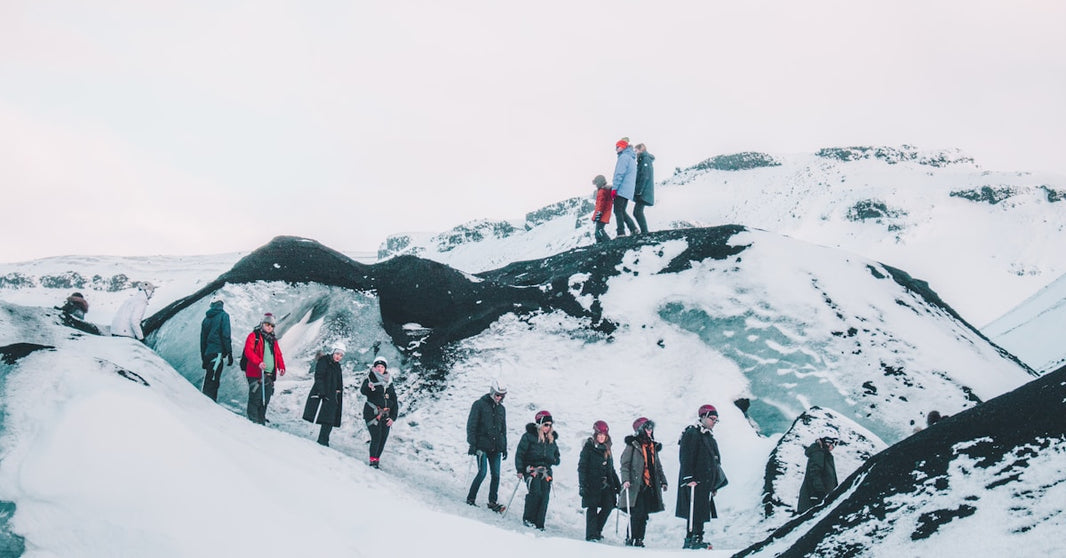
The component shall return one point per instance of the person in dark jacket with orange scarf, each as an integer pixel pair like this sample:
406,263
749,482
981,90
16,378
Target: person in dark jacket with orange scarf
700,476
597,481
536,453
326,399
643,479
263,354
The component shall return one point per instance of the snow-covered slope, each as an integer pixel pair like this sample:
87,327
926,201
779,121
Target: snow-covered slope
1035,330
985,240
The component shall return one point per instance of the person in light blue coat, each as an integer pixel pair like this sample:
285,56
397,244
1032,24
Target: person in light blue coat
624,185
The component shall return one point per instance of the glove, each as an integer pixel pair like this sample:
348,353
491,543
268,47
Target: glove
614,193
597,215
505,455
471,451
229,360
665,487
480,454
625,485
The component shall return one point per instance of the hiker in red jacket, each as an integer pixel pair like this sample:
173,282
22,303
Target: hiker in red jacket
263,363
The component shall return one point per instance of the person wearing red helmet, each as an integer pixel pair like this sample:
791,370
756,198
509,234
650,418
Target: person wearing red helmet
597,481
700,476
536,453
643,479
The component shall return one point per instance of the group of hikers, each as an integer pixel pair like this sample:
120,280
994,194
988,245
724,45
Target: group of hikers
634,180
636,488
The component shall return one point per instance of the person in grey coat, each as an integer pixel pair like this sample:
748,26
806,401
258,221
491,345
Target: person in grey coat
644,190
625,180
326,399
821,476
643,479
216,347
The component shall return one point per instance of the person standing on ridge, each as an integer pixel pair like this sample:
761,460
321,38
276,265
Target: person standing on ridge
326,399
597,481
644,191
536,453
486,434
127,321
820,477
643,479
381,407
602,215
76,306
700,476
625,180
263,363
215,346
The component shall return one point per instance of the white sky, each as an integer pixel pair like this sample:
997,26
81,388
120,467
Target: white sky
204,127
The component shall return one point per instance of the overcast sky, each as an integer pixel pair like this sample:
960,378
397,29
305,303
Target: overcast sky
194,127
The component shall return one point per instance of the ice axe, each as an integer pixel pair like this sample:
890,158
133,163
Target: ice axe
513,492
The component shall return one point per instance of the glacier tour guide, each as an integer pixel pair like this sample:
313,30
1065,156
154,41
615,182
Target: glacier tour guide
486,434
381,407
215,346
127,321
624,185
821,476
326,399
264,363
700,476
536,453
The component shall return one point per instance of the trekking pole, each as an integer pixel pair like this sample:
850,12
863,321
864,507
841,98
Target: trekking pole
263,379
513,492
629,516
318,411
691,505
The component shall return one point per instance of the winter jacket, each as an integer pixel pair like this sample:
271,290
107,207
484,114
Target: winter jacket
254,346
486,427
625,173
603,205
127,321
326,399
644,191
632,467
700,461
820,479
532,452
215,333
381,397
76,306
595,473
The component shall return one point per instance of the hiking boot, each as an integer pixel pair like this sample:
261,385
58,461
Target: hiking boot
697,543
638,542
496,507
374,462
528,523
470,502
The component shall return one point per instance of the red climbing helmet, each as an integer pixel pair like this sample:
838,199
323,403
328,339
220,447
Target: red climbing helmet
543,417
599,427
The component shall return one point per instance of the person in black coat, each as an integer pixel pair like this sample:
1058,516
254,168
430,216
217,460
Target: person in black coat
643,479
821,476
700,476
536,453
215,346
644,192
486,433
326,400
381,407
597,481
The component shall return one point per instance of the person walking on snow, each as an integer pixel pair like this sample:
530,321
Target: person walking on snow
602,215
127,321
326,399
625,179
381,407
643,479
486,434
644,190
215,346
821,476
597,481
700,476
264,363
536,453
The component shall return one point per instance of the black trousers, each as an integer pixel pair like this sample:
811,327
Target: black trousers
596,516
379,434
213,377
601,232
623,218
638,514
257,405
323,434
638,214
537,500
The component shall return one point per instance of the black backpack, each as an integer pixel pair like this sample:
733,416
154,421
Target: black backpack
244,358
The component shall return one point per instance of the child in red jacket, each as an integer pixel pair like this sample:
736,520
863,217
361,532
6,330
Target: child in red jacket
602,215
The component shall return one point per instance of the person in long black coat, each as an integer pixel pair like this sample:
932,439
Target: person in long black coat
821,476
598,483
381,407
536,453
486,434
643,479
700,476
326,400
644,192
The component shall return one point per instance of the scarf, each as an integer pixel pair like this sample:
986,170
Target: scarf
379,380
647,447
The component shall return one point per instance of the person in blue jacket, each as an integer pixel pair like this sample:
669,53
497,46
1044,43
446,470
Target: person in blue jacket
624,185
216,347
